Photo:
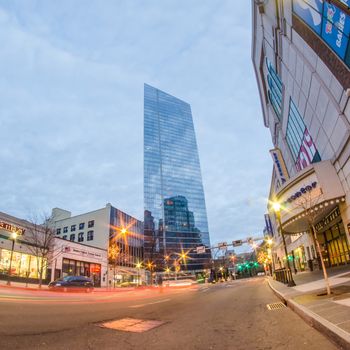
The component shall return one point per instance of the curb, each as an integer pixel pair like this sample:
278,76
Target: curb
334,333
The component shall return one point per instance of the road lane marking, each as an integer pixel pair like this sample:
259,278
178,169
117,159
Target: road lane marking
205,290
154,302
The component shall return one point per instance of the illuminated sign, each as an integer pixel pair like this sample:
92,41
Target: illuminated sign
11,228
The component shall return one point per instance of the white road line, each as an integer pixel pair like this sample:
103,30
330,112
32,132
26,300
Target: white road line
155,302
205,290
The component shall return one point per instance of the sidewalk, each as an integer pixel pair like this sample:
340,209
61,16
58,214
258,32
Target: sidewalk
330,315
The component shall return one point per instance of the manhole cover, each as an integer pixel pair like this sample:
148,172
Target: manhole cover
275,306
132,325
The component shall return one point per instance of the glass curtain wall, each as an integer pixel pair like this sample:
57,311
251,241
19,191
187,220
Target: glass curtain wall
175,220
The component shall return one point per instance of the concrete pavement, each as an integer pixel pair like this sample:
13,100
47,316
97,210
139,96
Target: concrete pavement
330,315
224,316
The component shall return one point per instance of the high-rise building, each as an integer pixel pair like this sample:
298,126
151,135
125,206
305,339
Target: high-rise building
175,220
301,57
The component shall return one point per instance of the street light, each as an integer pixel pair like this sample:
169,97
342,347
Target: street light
13,237
277,208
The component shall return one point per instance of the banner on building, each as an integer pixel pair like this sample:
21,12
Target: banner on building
280,166
268,225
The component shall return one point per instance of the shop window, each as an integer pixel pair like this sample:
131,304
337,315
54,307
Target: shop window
299,140
65,229
81,237
81,226
72,237
91,223
72,228
58,231
90,235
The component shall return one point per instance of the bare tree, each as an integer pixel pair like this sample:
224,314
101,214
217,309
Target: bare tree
40,238
309,204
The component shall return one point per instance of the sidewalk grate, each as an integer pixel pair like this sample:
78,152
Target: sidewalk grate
275,306
132,325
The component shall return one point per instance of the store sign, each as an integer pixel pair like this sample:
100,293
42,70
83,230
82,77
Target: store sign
280,166
11,228
309,14
303,190
336,29
73,250
328,219
345,2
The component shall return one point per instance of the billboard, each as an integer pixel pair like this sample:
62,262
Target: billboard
309,14
336,29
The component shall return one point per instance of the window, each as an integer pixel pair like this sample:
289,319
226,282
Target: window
91,223
58,231
81,237
72,237
65,229
64,237
90,235
329,22
275,89
81,226
72,228
299,140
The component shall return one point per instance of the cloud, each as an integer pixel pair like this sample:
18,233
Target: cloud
72,104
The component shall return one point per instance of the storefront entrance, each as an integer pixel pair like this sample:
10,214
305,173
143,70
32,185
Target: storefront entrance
332,237
81,268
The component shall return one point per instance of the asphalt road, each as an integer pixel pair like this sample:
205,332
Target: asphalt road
224,316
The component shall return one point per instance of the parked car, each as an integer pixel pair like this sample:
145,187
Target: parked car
73,283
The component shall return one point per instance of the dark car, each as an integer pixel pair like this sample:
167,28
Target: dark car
73,283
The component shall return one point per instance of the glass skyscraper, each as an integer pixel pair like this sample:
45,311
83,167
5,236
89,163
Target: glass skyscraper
175,220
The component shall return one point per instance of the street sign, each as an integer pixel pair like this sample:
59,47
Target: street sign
201,249
237,243
222,246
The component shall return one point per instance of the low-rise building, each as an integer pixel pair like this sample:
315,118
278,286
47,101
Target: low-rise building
109,229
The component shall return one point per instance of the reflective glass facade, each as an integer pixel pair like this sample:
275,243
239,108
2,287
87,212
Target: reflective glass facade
175,218
275,89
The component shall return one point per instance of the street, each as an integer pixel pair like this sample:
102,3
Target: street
231,315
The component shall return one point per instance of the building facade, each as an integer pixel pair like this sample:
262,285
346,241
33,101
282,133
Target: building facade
300,53
108,229
13,243
175,220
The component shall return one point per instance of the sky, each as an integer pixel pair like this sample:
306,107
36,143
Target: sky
71,115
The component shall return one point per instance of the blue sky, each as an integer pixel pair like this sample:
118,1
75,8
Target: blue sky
72,75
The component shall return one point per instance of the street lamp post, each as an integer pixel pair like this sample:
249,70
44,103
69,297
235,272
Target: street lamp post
277,209
13,237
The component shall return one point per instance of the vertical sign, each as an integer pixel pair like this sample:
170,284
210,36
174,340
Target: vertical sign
280,166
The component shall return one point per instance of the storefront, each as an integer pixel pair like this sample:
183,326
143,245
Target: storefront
332,237
313,200
24,265
76,259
